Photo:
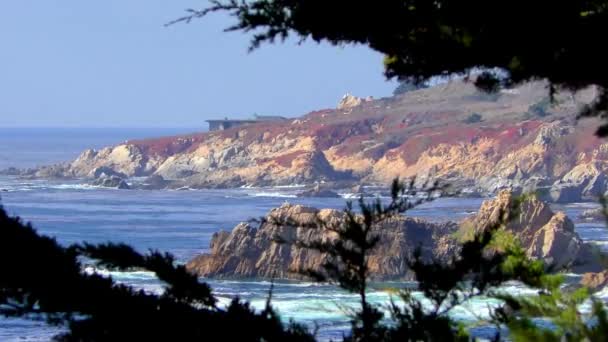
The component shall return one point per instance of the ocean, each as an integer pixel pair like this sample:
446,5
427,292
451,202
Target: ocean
182,223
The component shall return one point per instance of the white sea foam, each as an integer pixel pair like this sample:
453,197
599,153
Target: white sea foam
76,187
292,186
272,194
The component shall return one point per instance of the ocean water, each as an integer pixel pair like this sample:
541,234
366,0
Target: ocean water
182,222
30,147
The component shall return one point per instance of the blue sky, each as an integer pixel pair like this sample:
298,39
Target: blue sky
112,63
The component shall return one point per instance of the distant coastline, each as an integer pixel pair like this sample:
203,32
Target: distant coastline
452,133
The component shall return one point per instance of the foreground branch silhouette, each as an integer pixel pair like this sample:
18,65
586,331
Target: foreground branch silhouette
39,279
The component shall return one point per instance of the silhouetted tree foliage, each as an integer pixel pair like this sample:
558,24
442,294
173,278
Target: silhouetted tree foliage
40,279
554,40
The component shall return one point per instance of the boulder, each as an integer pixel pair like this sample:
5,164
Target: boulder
550,134
155,182
542,233
566,192
104,171
110,182
349,101
584,182
319,192
595,281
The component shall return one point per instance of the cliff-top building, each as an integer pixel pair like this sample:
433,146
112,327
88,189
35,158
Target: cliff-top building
222,124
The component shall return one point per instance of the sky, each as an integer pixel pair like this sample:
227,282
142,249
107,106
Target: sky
112,63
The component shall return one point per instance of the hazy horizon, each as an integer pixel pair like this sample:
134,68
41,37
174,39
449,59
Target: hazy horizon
114,64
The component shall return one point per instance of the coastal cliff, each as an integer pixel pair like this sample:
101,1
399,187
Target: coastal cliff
482,142
270,250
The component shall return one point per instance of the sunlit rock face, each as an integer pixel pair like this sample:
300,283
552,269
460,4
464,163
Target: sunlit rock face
426,133
543,234
270,249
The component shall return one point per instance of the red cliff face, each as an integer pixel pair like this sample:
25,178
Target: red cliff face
427,133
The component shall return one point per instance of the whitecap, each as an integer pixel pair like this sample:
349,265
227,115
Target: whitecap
272,194
69,186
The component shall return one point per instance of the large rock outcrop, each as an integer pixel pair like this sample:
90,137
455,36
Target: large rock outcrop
543,234
421,133
254,252
595,280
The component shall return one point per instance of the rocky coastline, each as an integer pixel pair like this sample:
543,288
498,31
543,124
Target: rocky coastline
425,133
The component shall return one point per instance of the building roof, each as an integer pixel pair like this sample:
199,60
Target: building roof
255,119
231,120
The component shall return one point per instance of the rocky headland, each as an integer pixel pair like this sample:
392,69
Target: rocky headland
478,142
269,250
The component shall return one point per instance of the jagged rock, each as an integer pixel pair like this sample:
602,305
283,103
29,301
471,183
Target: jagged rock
126,160
349,101
595,281
104,171
583,182
250,252
253,252
542,233
110,182
551,134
